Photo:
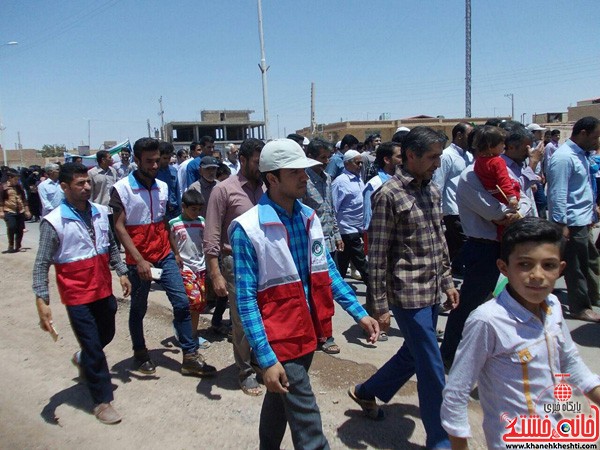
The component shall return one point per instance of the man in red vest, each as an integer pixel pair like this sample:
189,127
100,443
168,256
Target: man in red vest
76,238
286,282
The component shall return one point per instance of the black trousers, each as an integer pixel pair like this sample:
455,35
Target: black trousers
353,251
15,224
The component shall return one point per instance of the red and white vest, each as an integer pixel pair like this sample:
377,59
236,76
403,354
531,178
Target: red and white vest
82,266
292,328
144,217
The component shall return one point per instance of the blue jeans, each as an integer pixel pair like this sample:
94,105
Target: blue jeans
480,278
94,327
298,408
419,354
172,283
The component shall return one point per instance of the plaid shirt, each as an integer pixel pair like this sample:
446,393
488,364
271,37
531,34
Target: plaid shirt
318,197
246,280
408,256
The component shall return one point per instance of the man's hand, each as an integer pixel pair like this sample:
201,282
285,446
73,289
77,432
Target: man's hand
339,245
452,299
508,219
371,326
565,231
384,320
219,285
1,215
536,154
45,314
143,269
275,379
125,285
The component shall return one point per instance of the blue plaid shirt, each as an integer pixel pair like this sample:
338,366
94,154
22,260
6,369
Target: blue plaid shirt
246,279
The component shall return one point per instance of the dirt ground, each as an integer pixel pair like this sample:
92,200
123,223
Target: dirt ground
44,406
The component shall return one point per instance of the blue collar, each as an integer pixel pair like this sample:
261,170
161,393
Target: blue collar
68,211
269,211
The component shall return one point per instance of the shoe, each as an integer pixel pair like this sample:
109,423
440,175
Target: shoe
382,336
11,249
203,343
220,330
439,334
329,347
143,363
587,315
250,386
194,364
76,361
106,414
355,274
369,407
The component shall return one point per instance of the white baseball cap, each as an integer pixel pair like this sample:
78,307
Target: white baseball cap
283,154
535,127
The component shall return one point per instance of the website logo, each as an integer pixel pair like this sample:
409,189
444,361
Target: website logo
565,419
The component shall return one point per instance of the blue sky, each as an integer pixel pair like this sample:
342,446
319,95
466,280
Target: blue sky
110,60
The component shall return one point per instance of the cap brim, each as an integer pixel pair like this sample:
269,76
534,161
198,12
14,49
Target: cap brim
209,166
303,164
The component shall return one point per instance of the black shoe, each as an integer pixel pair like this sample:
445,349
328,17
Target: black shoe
194,364
143,363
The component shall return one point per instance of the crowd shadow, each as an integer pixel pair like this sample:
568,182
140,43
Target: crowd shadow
587,335
360,432
226,378
76,396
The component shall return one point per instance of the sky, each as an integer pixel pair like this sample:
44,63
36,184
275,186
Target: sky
105,63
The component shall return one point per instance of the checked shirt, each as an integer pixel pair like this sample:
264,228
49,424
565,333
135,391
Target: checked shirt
408,256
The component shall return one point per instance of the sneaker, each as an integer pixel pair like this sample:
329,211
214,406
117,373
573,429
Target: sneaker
143,363
76,361
194,364
106,414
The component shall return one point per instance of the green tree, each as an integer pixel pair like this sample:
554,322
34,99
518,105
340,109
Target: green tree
50,151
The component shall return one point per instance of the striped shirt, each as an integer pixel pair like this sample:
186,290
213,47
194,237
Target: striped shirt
246,279
408,256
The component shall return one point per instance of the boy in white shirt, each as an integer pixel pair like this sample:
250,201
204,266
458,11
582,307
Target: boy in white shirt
515,345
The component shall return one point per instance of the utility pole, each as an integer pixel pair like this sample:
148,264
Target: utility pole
313,123
149,129
468,59
512,105
263,69
162,119
19,140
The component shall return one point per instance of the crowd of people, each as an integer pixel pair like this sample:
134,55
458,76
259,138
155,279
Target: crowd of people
271,229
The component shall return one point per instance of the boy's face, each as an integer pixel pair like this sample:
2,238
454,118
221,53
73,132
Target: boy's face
190,212
532,270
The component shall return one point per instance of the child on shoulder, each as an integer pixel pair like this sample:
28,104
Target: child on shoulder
517,347
491,169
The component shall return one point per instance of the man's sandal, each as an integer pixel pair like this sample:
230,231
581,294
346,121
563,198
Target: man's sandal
329,347
369,407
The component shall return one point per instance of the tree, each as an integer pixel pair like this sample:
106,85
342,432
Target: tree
50,151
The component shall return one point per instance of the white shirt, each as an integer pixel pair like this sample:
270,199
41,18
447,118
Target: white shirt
453,161
477,207
234,168
182,176
188,236
513,357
